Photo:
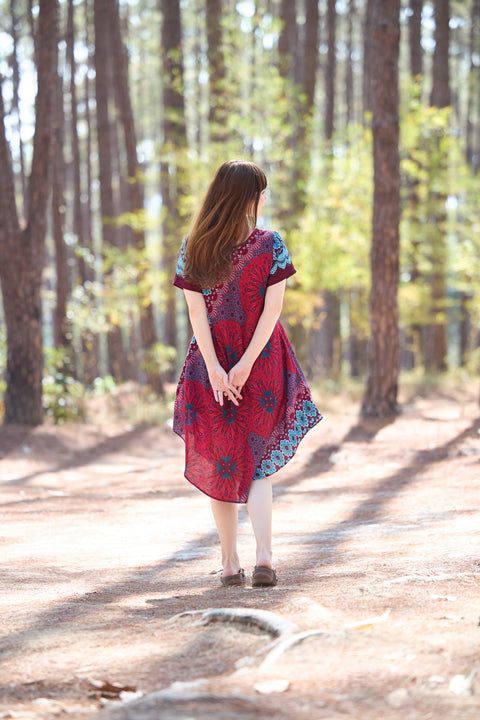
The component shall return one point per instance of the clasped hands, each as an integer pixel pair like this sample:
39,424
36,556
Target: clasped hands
229,385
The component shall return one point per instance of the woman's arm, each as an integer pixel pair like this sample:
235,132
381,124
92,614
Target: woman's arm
197,311
272,308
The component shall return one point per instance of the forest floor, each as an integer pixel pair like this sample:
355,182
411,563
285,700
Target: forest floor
109,563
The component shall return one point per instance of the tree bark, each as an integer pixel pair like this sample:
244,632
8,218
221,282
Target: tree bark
368,66
415,38
84,272
61,337
16,105
87,364
218,114
172,169
102,47
310,62
287,41
436,334
135,197
349,90
22,251
440,95
472,130
324,350
330,69
380,397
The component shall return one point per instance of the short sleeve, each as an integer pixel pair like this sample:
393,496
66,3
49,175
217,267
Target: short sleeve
282,266
179,280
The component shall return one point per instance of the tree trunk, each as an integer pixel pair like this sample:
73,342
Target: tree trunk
84,272
415,38
472,144
440,95
91,341
436,335
287,41
408,355
368,60
135,198
357,341
349,92
172,169
310,62
218,95
22,251
465,327
61,336
16,105
331,69
287,173
102,34
324,351
87,364
380,398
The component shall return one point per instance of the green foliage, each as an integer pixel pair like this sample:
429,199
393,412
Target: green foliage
159,358
265,120
440,218
63,395
331,246
105,384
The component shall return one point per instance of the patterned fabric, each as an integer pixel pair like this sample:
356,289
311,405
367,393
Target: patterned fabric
228,447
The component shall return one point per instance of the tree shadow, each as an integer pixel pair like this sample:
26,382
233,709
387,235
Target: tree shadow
156,578
321,459
371,510
77,458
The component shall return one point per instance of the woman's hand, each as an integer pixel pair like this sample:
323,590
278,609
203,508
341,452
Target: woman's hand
239,374
221,386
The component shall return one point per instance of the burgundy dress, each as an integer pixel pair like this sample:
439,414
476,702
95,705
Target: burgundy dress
228,447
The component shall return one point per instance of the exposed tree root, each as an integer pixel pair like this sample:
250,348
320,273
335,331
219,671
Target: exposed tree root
286,633
284,643
171,706
264,620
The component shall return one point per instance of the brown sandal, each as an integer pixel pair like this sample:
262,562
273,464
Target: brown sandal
233,580
264,577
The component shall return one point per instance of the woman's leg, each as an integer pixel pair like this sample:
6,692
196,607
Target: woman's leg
259,507
226,520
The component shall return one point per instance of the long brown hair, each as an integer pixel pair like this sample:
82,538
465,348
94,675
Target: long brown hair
227,216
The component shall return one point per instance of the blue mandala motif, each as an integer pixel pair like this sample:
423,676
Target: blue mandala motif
286,448
302,418
281,257
268,467
293,437
309,408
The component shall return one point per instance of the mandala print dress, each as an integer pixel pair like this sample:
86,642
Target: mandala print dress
226,448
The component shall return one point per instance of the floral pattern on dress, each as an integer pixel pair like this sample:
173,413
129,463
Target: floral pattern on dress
227,448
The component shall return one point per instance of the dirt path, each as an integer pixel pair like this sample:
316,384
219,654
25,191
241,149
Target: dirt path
377,532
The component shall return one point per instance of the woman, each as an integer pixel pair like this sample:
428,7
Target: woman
242,404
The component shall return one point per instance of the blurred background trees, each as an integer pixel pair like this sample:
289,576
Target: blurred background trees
147,98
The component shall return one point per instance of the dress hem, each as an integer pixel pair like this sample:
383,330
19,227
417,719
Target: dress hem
242,501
